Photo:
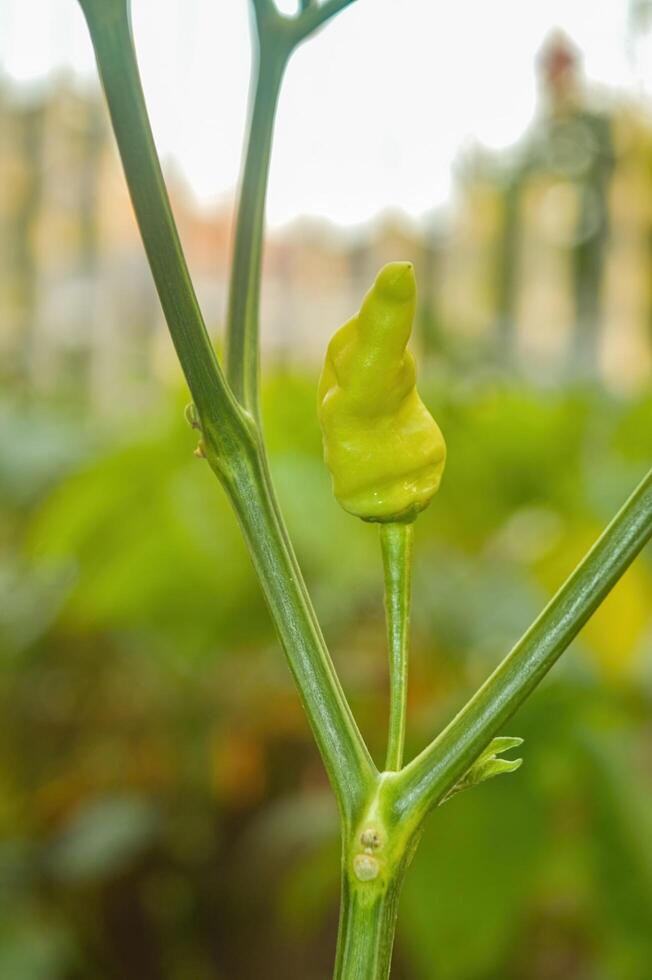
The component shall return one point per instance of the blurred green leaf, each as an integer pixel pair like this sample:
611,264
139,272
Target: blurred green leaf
138,654
103,838
33,949
466,896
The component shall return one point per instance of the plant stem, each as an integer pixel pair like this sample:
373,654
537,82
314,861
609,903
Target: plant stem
366,930
343,749
230,439
314,15
110,30
242,342
346,757
428,777
396,544
277,36
376,853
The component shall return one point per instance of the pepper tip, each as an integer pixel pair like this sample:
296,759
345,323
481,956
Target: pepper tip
396,281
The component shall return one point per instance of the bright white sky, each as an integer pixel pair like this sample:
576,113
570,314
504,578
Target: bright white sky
375,109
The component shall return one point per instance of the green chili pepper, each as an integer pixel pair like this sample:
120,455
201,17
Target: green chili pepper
384,450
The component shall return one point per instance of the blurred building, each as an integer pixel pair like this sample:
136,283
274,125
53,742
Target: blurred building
72,288
542,263
550,254
78,309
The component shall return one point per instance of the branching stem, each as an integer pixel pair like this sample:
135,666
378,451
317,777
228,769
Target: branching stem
230,440
382,814
428,777
314,15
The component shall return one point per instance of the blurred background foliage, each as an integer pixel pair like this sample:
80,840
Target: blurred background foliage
163,811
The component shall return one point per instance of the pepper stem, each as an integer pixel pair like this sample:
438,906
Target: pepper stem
396,545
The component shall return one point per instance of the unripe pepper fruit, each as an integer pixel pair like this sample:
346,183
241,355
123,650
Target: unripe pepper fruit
385,452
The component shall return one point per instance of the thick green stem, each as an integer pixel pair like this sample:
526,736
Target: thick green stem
242,341
428,777
342,747
376,853
366,930
396,544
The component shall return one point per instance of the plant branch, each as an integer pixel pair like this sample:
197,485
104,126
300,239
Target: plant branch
261,7
346,757
396,544
229,440
314,15
432,774
342,747
276,38
110,30
242,333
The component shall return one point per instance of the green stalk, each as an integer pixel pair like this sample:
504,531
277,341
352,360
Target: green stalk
366,930
396,544
242,340
277,36
313,16
343,749
428,777
376,853
230,440
110,29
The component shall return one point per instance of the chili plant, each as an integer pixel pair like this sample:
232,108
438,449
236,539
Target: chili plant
382,813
